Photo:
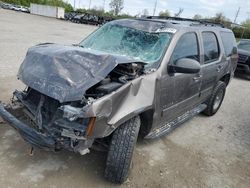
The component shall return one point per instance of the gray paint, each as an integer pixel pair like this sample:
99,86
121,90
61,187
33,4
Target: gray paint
167,95
66,72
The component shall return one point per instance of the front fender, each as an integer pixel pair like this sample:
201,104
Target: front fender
116,108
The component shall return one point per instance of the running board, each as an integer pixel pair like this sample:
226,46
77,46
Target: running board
176,123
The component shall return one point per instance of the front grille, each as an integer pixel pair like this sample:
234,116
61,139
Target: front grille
32,99
243,58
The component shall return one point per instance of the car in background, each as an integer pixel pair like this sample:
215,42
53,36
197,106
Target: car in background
25,9
5,5
87,18
20,8
15,7
70,15
243,66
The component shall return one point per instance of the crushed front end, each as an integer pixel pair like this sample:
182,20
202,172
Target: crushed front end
72,102
44,123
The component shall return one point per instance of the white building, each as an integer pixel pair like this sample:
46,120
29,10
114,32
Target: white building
44,10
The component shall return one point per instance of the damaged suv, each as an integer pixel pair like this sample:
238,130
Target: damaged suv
130,76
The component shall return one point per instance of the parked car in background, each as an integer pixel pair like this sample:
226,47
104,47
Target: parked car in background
6,5
25,9
70,15
87,18
243,66
20,8
15,7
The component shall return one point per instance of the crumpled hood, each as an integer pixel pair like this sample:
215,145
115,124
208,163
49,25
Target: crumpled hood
66,72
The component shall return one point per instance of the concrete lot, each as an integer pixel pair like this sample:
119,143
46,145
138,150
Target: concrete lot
204,152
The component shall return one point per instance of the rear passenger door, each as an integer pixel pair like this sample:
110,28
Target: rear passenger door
212,63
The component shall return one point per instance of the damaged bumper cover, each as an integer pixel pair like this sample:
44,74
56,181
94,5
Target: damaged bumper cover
29,134
53,134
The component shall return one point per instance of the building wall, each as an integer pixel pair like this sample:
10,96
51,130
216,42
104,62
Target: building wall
60,12
44,10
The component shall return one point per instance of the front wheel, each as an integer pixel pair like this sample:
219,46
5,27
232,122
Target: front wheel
216,99
121,149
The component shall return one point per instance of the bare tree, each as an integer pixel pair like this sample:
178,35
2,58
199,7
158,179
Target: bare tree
221,18
178,14
116,6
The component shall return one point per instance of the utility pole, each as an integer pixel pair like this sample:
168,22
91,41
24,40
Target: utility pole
89,4
237,14
156,1
104,1
74,4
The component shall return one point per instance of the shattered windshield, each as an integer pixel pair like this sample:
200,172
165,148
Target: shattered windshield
137,44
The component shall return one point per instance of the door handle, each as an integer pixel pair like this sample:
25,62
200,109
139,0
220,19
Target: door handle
197,78
219,68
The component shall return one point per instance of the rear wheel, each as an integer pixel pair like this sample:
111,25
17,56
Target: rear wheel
216,99
121,149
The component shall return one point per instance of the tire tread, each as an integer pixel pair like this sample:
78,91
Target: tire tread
209,110
121,151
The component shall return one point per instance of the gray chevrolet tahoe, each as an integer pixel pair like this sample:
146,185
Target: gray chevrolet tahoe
130,77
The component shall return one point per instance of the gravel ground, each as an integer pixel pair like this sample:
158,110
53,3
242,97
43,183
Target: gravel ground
204,152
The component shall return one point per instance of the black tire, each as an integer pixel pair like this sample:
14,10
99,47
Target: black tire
219,90
248,76
121,149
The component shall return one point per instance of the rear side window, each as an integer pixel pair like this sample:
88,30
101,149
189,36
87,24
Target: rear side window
229,42
187,47
211,48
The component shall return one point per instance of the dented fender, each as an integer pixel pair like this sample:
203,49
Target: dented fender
128,101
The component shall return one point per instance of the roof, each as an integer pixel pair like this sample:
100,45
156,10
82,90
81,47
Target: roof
154,24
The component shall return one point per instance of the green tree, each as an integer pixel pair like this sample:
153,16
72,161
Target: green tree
246,23
165,13
197,17
116,6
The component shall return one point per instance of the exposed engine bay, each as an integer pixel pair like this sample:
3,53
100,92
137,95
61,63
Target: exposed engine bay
122,74
61,121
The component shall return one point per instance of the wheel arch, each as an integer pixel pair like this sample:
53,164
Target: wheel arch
226,78
146,122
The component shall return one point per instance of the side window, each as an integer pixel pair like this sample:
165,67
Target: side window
229,42
211,48
187,47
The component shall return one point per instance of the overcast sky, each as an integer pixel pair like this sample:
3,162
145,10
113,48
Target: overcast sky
191,7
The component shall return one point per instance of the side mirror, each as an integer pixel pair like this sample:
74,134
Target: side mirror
235,50
186,66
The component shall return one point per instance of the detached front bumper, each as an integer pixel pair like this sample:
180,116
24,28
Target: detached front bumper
29,134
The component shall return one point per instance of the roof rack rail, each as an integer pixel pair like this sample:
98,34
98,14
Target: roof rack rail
204,22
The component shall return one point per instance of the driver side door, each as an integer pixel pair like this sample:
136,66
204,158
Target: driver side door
180,92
